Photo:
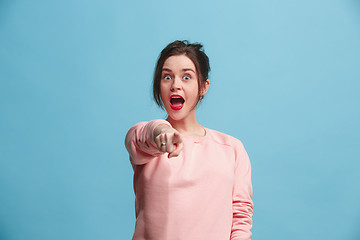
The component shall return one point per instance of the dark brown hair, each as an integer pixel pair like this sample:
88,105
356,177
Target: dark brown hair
194,51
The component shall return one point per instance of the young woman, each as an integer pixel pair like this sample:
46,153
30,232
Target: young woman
190,182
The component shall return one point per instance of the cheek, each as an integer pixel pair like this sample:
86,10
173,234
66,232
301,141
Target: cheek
163,94
195,92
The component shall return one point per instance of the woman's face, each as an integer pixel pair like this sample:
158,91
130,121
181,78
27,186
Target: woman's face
179,87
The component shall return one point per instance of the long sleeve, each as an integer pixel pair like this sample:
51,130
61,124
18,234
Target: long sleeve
242,196
139,141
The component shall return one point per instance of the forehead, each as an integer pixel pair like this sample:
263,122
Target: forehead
179,62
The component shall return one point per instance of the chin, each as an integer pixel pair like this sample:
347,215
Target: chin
176,116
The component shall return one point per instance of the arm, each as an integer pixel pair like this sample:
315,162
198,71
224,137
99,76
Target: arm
242,196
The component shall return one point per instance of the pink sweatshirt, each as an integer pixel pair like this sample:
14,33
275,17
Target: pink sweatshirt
203,194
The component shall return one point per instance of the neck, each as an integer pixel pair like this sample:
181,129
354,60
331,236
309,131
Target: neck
187,126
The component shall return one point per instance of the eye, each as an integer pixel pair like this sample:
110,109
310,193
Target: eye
167,77
187,77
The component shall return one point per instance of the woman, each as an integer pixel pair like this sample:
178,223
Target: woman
190,182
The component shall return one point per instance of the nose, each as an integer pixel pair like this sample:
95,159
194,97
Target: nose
176,84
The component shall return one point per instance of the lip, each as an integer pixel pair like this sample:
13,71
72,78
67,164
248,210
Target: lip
176,107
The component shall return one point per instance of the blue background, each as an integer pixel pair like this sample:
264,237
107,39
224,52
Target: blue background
76,75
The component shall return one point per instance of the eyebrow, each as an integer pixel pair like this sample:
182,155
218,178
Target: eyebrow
184,70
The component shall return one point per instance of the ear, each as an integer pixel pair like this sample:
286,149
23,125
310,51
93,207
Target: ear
205,87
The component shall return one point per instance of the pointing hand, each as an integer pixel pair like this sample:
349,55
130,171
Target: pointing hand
168,140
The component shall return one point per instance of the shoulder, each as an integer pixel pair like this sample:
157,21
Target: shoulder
230,142
224,139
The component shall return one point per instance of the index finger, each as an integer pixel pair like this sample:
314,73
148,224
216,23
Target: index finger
177,139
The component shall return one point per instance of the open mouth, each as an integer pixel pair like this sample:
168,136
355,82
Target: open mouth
176,102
